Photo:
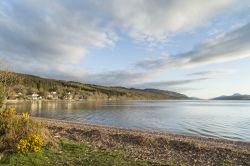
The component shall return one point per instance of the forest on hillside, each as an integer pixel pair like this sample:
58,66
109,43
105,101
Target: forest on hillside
22,86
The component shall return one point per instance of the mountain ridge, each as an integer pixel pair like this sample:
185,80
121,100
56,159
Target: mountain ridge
235,96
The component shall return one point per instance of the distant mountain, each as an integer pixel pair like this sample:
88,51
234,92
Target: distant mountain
49,88
166,92
194,98
235,96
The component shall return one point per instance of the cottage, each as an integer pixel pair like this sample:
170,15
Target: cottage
52,96
67,96
49,96
53,93
18,95
34,96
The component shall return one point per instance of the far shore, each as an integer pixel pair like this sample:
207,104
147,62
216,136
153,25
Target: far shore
75,100
156,147
54,100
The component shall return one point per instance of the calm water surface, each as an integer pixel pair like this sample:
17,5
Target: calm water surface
221,119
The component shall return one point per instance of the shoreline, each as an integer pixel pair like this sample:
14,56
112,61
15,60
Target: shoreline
81,100
157,147
158,133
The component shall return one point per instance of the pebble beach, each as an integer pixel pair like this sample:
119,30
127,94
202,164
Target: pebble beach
156,147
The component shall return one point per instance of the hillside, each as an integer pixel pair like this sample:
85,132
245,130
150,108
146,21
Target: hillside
59,89
235,96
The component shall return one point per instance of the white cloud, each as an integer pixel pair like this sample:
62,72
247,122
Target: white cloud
228,46
63,31
51,38
127,77
152,20
174,84
51,33
213,73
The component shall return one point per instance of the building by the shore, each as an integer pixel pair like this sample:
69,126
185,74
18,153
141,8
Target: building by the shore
34,96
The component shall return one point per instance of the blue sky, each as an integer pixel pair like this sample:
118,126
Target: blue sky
193,47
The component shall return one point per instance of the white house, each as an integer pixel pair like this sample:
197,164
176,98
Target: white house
52,95
33,96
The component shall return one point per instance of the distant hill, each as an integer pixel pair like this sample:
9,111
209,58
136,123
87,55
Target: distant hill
194,98
59,89
235,96
165,92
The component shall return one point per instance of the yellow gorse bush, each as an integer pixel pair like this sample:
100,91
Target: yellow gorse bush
22,146
25,115
8,112
19,132
5,116
33,143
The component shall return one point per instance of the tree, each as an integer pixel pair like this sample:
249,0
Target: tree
8,80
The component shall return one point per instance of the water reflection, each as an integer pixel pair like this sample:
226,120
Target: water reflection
223,119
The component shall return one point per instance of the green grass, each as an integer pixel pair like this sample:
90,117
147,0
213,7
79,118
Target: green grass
69,153
228,163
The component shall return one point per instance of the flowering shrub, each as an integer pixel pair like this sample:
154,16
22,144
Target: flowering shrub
8,112
25,116
5,116
19,132
32,143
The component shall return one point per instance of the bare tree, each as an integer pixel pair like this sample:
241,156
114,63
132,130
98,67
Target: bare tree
8,79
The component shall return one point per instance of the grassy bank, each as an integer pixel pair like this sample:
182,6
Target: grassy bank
70,153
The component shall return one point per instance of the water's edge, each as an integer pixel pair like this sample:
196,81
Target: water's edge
217,119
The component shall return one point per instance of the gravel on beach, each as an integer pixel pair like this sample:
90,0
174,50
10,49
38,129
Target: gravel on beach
156,147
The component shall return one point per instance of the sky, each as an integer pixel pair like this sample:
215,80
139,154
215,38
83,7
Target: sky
198,48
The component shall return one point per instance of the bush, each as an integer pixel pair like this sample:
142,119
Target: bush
32,143
19,132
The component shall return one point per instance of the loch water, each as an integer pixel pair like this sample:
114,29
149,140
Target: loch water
208,118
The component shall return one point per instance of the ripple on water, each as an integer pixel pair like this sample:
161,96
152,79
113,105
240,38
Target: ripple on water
220,119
